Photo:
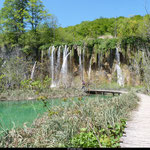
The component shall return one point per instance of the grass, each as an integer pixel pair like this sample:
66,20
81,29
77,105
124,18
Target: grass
59,125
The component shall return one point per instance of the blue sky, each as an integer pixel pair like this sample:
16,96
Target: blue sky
72,12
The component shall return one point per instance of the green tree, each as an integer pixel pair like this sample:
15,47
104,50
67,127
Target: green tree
37,16
128,26
1,28
37,13
14,21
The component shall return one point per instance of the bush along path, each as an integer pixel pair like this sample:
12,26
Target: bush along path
137,131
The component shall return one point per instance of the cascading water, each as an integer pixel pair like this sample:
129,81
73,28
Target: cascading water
60,74
89,73
58,65
58,59
65,64
64,69
120,79
52,67
99,61
83,62
80,62
33,70
71,63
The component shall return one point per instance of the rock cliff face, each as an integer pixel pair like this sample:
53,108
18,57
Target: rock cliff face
89,64
105,60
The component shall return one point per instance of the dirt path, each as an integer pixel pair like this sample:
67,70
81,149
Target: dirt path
137,133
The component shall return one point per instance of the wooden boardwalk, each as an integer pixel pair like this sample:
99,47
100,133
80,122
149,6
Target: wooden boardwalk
104,92
137,132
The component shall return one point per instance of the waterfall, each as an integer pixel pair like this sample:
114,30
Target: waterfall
99,61
89,73
117,56
120,79
80,62
58,65
61,65
64,69
71,63
55,71
58,59
83,62
33,70
52,67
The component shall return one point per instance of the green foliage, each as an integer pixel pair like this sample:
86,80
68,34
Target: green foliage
14,15
25,23
85,140
26,83
37,84
109,137
121,26
36,13
133,40
46,82
1,82
92,28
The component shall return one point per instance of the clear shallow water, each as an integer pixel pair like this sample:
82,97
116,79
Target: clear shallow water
16,113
